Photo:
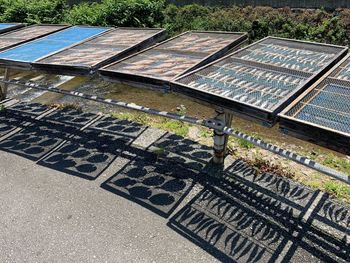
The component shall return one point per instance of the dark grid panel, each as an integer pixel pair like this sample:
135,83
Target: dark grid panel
239,81
27,33
327,105
343,71
101,48
260,85
301,56
175,56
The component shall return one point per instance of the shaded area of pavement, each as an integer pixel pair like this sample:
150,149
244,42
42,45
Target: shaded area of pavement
194,210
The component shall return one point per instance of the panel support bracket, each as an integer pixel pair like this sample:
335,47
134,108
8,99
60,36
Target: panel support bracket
4,85
220,138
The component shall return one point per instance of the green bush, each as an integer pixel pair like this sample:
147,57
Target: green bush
33,11
313,25
137,13
85,14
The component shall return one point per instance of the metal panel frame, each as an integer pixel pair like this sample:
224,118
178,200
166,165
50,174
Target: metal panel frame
34,38
267,117
315,133
28,65
11,28
158,83
84,70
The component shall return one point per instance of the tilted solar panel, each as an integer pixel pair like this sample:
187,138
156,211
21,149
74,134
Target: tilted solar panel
322,113
88,56
260,80
26,34
159,64
32,51
6,27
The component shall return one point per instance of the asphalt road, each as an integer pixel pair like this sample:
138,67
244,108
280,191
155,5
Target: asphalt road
47,216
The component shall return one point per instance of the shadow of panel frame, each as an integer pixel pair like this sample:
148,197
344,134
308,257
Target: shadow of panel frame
228,230
37,139
250,217
89,153
153,183
185,151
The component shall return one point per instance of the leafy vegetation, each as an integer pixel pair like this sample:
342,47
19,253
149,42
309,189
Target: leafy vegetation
33,11
314,25
338,189
137,13
177,127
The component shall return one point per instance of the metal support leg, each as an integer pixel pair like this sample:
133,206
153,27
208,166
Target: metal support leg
3,87
221,139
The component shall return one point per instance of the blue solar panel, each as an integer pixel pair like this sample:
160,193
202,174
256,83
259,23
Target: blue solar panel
45,46
5,25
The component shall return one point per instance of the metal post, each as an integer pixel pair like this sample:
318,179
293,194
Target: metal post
4,85
228,123
220,138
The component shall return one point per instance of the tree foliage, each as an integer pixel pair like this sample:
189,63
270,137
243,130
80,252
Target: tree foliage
314,25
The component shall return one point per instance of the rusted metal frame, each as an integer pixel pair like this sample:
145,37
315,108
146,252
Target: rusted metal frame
211,123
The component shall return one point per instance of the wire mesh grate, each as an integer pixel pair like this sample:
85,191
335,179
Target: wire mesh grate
234,79
327,105
304,57
343,71
265,76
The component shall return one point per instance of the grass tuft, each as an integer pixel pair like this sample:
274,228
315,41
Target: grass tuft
338,189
